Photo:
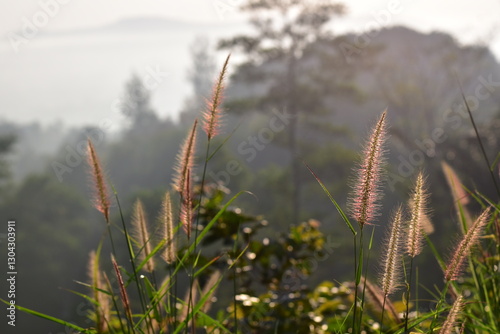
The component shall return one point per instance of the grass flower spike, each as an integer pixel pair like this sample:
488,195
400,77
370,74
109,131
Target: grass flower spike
186,214
460,196
451,320
185,159
168,227
363,202
419,218
142,235
463,249
212,113
101,197
123,292
102,306
392,255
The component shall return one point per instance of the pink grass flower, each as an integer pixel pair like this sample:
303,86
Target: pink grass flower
366,191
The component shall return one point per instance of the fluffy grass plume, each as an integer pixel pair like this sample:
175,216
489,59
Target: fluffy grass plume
168,230
102,305
460,196
366,192
101,195
463,249
123,291
185,159
419,217
392,255
142,236
212,114
451,320
186,215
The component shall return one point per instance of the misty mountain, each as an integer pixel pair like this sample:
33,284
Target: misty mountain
148,24
413,74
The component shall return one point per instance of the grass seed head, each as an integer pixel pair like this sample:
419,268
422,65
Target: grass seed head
212,113
101,195
168,230
419,219
455,266
185,159
363,201
142,235
391,262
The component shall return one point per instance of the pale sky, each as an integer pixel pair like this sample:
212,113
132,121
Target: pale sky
471,19
67,84
468,20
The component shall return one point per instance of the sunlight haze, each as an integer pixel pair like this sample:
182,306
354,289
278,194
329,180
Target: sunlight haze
73,69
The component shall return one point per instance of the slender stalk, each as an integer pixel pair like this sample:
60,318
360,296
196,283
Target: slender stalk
142,297
108,226
115,305
360,269
211,124
355,305
417,284
235,316
235,256
383,313
196,231
486,160
438,306
408,293
366,273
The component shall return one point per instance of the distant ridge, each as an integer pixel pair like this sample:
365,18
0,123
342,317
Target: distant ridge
145,24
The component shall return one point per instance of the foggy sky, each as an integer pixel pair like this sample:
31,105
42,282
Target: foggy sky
71,71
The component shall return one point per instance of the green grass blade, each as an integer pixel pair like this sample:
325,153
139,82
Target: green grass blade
223,142
339,209
50,318
207,228
150,255
197,309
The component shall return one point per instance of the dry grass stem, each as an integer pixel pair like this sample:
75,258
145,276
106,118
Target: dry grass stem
123,291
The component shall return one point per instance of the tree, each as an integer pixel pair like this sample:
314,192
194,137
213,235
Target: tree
201,76
417,80
285,29
6,143
136,103
54,231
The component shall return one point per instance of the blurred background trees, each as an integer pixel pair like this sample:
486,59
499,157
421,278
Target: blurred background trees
283,32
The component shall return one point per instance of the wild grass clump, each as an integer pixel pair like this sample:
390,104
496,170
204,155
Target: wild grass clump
168,281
